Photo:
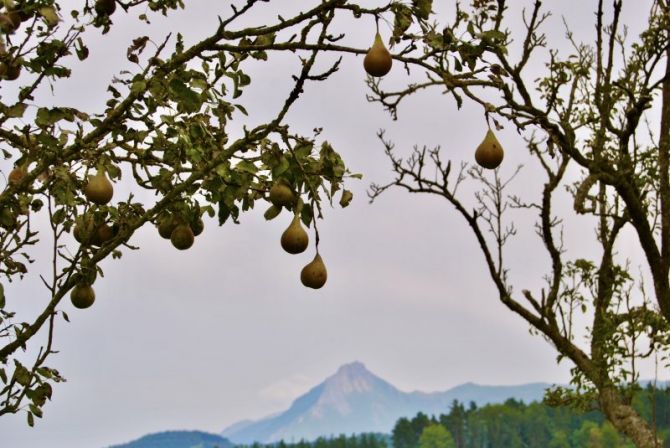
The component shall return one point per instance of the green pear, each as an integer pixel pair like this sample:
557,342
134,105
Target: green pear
377,61
282,195
82,296
294,240
99,189
314,274
489,153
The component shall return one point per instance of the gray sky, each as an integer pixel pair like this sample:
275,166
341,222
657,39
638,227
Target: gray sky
225,331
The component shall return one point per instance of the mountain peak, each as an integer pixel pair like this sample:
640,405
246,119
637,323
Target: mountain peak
350,378
355,368
355,400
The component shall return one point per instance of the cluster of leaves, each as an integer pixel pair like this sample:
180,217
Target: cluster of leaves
172,127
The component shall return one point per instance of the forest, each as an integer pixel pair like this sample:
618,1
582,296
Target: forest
513,424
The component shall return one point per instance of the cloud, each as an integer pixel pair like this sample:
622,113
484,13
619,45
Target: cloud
287,389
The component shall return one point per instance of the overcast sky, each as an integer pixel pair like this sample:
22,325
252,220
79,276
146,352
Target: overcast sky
225,331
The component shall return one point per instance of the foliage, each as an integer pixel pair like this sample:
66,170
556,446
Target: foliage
436,436
174,130
509,425
596,123
516,424
176,127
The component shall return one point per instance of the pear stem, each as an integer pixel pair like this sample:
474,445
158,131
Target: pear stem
316,230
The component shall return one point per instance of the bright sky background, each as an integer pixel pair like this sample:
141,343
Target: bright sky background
225,331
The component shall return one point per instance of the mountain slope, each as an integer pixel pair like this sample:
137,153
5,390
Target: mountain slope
178,439
354,400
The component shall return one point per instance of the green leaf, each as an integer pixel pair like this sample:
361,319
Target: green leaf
281,168
188,99
81,49
58,216
16,111
303,149
346,198
492,36
402,20
47,117
422,8
272,212
245,80
21,374
138,86
44,372
2,296
306,215
246,167
31,420
35,410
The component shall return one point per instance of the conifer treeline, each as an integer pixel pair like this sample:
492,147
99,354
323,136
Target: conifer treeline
512,424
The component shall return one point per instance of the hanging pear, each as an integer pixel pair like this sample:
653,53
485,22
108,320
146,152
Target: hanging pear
82,296
282,195
182,237
105,7
166,225
489,153
197,226
314,274
103,233
294,240
99,189
378,60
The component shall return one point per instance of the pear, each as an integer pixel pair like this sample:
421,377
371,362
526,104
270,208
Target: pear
197,226
294,240
182,237
489,153
314,274
378,60
165,226
281,195
99,189
82,296
105,7
102,234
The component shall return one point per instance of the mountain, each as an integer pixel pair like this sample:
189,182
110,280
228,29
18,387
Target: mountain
178,439
354,400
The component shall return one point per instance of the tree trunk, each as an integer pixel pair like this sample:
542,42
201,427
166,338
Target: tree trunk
626,420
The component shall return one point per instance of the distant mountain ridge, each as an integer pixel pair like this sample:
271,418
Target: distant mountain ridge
354,400
178,439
